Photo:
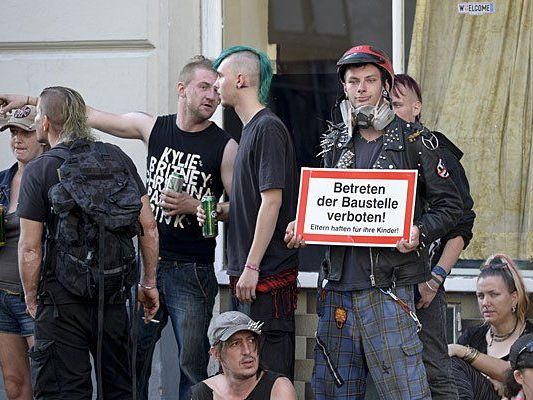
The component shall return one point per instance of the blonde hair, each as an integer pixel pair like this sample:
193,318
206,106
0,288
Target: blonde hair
502,265
197,62
66,110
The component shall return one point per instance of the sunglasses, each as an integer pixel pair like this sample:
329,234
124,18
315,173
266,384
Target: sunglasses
495,266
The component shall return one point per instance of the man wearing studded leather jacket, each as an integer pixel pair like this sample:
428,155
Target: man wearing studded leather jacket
367,321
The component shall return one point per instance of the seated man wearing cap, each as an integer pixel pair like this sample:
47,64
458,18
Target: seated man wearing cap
234,339
520,378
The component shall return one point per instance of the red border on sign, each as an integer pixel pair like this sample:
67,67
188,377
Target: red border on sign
310,173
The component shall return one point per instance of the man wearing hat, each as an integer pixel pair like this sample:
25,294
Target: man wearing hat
234,339
16,325
520,379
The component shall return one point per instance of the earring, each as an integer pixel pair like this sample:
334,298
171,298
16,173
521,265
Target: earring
513,309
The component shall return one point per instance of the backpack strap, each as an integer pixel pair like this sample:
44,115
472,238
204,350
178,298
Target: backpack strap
58,152
134,321
101,293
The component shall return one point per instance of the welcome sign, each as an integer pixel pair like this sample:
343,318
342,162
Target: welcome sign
356,207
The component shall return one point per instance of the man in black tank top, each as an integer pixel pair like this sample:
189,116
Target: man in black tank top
190,144
235,342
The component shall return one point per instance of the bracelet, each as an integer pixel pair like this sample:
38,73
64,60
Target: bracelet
436,280
471,354
430,288
142,285
253,267
438,270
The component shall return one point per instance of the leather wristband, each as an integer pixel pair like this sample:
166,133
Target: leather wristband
436,280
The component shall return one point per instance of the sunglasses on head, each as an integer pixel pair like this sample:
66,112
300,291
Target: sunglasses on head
496,266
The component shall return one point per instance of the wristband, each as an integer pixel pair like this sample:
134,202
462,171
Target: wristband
253,267
431,288
438,270
436,280
142,285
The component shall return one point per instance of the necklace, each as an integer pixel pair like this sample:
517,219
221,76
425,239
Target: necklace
494,337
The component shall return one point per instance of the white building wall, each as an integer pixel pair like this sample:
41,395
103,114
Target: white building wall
121,55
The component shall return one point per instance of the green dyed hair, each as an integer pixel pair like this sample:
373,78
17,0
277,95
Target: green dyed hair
265,69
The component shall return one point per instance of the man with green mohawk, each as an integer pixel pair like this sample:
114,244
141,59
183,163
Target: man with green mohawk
263,271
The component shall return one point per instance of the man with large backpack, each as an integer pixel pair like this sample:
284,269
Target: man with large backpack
87,200
188,143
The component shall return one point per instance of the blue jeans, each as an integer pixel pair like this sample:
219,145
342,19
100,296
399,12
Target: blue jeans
187,294
13,316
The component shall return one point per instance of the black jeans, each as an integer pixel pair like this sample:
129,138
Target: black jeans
64,336
435,355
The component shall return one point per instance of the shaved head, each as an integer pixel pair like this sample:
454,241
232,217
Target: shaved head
246,63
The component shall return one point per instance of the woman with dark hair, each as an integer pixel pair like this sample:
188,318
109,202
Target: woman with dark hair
480,358
519,383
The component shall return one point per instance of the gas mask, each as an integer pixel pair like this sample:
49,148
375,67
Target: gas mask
377,116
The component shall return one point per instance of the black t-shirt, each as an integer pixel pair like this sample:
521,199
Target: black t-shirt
198,157
356,264
261,391
475,336
265,160
39,176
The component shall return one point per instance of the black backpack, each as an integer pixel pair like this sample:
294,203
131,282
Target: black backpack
97,202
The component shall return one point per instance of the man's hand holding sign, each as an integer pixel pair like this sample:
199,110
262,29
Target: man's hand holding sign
356,208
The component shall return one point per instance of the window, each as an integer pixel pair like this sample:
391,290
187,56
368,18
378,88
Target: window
304,39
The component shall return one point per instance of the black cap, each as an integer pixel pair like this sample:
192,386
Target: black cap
521,353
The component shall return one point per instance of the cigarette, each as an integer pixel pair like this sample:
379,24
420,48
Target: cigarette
155,321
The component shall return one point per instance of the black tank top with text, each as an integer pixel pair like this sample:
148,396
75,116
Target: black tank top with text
198,157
